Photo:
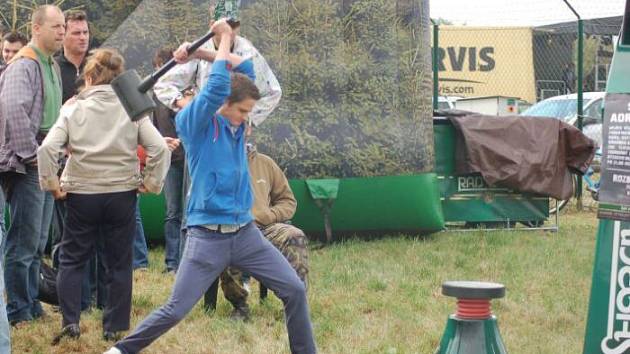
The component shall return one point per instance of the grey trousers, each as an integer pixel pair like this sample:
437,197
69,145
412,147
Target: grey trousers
206,255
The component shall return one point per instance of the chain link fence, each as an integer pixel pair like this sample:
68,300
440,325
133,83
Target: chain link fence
526,51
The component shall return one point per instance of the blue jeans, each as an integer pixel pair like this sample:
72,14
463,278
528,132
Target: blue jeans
3,228
206,255
173,187
140,250
31,213
5,338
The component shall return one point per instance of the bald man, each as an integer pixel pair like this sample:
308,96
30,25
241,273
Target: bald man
30,100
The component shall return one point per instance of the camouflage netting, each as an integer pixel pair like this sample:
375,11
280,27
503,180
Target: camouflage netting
356,80
355,74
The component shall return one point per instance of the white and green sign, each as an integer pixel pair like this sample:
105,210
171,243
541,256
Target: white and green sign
614,194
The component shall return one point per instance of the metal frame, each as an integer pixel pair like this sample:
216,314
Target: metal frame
561,88
553,228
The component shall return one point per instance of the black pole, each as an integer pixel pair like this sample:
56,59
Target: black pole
580,89
148,82
436,79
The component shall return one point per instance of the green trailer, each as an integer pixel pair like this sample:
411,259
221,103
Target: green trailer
469,199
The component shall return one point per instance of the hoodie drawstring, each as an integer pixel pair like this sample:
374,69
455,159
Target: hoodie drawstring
215,122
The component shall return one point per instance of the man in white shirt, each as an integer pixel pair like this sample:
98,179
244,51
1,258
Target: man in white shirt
195,73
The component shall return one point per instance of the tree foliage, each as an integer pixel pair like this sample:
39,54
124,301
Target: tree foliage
155,24
356,85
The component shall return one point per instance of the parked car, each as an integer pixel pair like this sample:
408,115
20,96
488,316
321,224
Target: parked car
447,102
565,107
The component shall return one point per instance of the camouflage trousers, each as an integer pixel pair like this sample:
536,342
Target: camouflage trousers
289,240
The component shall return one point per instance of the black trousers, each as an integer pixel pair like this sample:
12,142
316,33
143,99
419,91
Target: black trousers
110,216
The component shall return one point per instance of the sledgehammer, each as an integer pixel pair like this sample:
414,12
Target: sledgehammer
132,92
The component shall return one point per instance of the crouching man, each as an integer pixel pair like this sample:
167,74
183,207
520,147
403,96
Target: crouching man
274,206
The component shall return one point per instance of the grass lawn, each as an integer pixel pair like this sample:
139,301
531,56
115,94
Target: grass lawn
383,296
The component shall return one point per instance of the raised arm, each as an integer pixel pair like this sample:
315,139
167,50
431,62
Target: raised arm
169,87
245,67
182,57
193,122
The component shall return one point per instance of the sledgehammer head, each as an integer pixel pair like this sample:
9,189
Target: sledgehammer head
133,95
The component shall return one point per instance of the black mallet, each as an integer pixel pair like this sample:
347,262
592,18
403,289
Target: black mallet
132,92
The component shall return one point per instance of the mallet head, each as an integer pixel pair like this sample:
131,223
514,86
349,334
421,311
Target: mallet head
137,103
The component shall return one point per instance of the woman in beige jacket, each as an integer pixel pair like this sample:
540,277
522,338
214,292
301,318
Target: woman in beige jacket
100,182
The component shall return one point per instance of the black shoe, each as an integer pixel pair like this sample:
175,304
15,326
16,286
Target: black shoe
71,331
111,336
169,271
240,313
19,323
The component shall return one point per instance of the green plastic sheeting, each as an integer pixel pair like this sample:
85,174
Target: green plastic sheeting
323,188
393,203
324,192
153,208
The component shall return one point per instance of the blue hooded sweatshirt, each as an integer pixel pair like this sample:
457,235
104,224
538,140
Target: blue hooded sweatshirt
220,191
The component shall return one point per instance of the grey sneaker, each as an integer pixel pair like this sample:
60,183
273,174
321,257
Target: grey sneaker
113,350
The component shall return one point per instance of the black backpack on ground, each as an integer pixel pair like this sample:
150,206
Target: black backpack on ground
48,285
